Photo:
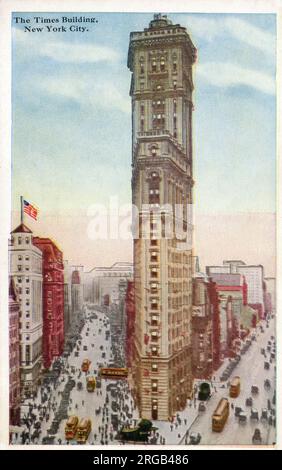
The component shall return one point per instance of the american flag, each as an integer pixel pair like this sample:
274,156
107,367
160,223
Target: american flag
30,210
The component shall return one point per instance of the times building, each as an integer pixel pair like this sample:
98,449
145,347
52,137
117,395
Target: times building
161,59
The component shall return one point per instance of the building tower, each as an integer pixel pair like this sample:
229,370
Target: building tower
26,271
53,300
160,59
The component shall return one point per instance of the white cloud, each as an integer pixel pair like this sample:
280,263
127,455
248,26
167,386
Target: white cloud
61,51
229,75
213,28
251,35
86,92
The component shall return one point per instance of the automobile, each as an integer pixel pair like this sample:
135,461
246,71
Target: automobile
256,439
86,334
254,389
84,348
267,383
202,406
269,347
48,440
101,347
103,355
238,410
195,438
254,414
115,406
204,391
79,386
266,365
262,351
76,354
264,414
272,355
249,401
242,417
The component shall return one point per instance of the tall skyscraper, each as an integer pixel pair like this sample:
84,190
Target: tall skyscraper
53,300
26,271
160,59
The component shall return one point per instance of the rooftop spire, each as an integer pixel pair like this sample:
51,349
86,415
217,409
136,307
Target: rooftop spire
160,21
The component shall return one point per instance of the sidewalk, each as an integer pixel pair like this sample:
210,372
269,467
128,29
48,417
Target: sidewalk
174,433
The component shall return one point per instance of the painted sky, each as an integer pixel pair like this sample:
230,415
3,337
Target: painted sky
72,121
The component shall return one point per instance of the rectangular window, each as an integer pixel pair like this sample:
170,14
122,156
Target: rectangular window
154,256
154,385
154,351
154,273
154,367
154,336
27,354
154,320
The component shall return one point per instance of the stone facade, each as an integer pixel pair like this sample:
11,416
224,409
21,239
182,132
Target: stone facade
160,59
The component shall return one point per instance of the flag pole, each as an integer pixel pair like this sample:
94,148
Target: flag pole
22,211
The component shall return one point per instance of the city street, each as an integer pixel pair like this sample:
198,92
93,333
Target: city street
251,372
99,405
110,410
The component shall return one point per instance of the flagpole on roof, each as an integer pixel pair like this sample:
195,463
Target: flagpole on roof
22,211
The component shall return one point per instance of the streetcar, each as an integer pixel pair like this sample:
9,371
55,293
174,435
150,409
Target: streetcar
220,415
90,384
234,389
113,372
71,427
83,430
85,365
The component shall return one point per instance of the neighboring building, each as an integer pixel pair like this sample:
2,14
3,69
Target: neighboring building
254,276
130,323
67,297
202,340
271,289
26,270
76,294
118,320
14,355
88,291
161,59
105,282
232,294
216,326
53,300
